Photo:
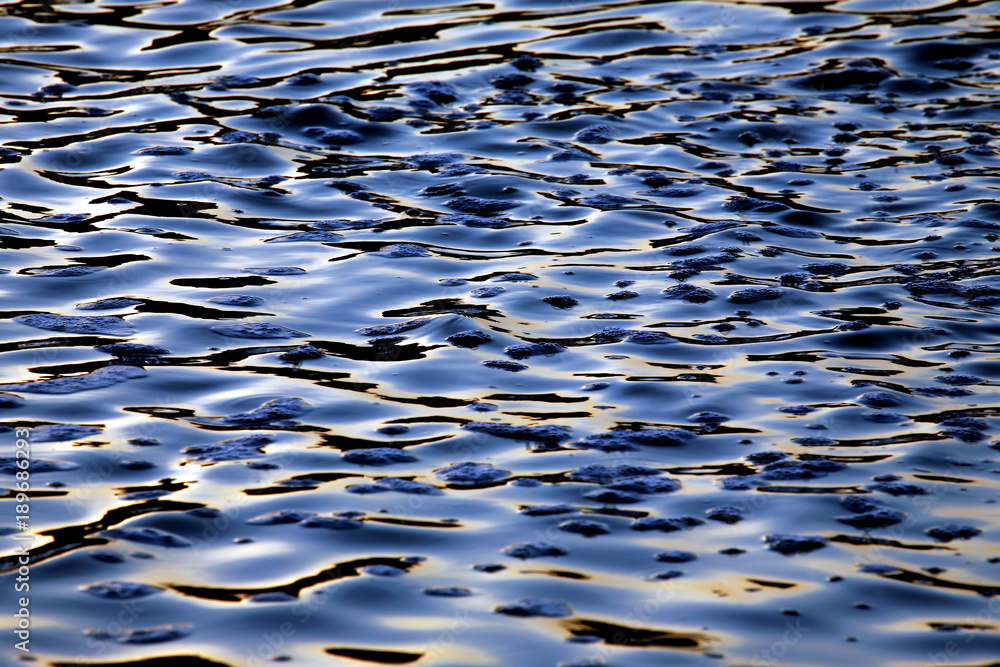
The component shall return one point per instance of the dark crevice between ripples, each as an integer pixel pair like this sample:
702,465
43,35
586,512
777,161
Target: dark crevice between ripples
70,538
352,568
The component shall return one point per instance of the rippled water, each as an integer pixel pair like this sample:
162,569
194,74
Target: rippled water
520,333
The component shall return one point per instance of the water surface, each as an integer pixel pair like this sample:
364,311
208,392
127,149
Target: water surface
555,333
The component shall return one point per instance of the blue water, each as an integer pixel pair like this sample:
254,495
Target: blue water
516,333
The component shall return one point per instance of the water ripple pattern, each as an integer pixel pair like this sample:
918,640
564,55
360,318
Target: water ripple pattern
516,332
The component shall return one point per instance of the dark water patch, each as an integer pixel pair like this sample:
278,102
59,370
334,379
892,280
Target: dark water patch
396,484
146,535
223,282
62,432
645,484
875,518
449,592
394,328
379,656
953,531
280,517
623,635
469,339
600,473
788,545
102,377
257,330
8,401
529,550
539,433
276,410
529,607
626,440
333,523
378,456
150,635
111,325
275,270
665,525
120,590
468,473
228,450
547,510
109,304
302,353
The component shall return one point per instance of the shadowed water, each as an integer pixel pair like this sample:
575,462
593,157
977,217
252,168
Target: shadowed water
517,333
